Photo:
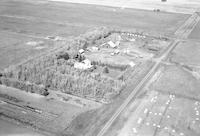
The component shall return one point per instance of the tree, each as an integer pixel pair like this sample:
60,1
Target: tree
63,55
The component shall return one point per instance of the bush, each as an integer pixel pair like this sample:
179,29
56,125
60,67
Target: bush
105,70
63,55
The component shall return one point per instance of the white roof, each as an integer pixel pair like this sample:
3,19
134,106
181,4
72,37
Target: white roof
112,44
81,51
132,64
86,64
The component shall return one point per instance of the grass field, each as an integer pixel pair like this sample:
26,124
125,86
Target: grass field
177,6
9,129
39,26
55,113
14,48
195,34
175,80
163,115
187,53
88,15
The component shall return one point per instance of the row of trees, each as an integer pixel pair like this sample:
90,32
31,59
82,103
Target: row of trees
26,86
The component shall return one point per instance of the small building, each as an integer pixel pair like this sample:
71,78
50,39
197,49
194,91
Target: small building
92,49
132,64
111,44
132,40
116,51
85,64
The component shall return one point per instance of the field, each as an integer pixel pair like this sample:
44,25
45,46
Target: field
186,53
174,6
50,113
89,16
163,115
177,80
15,48
8,129
195,33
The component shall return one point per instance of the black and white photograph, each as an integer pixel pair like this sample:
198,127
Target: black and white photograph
99,67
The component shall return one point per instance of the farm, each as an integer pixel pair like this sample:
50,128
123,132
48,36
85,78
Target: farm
66,68
72,69
50,19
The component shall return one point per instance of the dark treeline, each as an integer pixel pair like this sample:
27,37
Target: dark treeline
26,86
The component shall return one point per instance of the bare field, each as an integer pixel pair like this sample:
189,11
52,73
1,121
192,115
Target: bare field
186,53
